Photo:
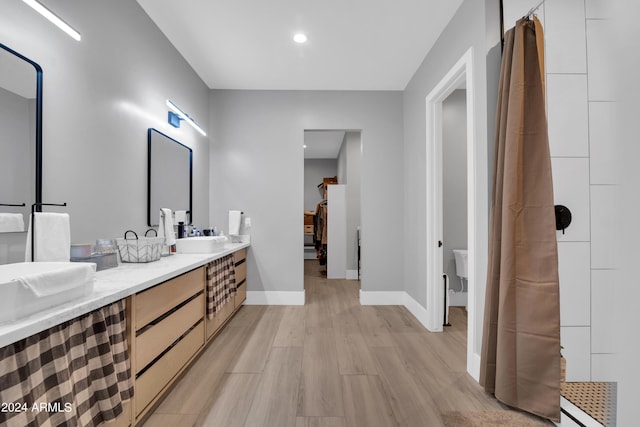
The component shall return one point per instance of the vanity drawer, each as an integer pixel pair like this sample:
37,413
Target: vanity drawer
239,255
241,272
241,294
160,374
154,302
154,340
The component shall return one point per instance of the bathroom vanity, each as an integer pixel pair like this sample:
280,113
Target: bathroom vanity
166,321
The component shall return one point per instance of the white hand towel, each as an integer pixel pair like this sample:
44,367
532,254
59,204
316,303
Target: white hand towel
165,227
11,222
52,237
235,218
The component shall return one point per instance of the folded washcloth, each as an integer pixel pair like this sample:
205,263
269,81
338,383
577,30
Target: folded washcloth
165,227
57,277
52,237
11,222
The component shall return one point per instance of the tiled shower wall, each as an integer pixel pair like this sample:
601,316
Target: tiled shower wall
580,116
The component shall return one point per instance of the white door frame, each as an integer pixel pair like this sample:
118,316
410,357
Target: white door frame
477,207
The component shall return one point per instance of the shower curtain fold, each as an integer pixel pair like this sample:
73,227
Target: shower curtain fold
521,339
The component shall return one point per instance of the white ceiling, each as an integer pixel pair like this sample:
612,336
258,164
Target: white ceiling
353,44
322,144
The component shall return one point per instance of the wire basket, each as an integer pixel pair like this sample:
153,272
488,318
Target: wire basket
140,249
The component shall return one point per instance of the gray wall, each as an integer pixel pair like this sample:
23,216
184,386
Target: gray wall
349,174
257,166
314,171
342,161
100,96
466,29
454,182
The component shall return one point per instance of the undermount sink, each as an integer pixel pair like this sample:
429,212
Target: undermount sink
201,244
29,287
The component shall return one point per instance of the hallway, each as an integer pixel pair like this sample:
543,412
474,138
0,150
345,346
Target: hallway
331,362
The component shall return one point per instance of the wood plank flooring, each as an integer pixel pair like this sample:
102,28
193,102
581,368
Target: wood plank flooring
330,363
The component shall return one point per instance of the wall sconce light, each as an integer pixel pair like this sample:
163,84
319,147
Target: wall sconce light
177,114
53,18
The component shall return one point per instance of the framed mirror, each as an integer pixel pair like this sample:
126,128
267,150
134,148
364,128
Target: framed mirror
20,138
170,172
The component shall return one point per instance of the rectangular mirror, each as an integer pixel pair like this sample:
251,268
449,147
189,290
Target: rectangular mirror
20,138
169,180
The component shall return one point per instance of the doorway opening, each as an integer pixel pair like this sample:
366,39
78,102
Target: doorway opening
332,188
454,207
460,76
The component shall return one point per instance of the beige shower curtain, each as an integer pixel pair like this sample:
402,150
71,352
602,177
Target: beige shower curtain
521,340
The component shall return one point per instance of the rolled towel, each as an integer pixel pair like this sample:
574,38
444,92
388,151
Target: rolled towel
165,227
11,222
52,237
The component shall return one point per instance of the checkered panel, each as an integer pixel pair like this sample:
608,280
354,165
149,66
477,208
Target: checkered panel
74,374
221,284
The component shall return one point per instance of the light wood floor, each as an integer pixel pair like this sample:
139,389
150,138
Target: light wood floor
331,362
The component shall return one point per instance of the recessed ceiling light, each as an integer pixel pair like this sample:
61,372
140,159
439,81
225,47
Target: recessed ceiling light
304,146
300,38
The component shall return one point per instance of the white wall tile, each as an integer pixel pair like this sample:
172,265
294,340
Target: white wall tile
604,367
568,115
602,78
575,277
566,49
598,9
602,142
571,189
575,341
605,223
603,310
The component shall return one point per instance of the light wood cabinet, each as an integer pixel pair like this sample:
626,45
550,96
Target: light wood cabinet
167,333
168,328
156,339
241,295
240,259
158,377
154,302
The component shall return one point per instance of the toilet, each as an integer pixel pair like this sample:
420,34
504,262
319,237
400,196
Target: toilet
462,270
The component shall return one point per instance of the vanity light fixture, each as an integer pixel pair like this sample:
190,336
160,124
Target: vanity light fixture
177,114
53,18
300,38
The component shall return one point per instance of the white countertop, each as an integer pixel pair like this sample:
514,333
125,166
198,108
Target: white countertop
110,286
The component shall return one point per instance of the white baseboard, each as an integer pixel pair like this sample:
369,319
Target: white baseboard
473,368
458,299
274,298
352,274
382,298
414,307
